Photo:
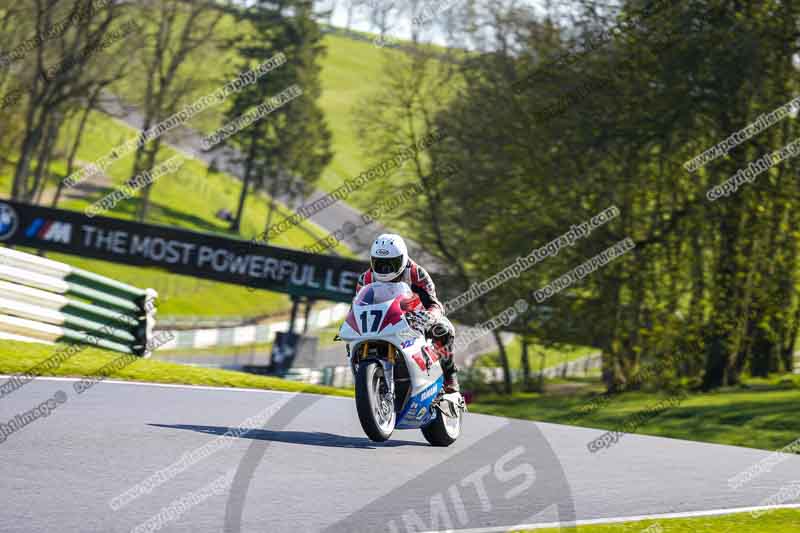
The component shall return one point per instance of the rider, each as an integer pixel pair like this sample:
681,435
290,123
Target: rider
389,262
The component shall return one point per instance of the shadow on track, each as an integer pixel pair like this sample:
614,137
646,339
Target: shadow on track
308,438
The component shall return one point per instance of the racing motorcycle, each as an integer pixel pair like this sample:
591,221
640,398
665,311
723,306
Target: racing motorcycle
398,377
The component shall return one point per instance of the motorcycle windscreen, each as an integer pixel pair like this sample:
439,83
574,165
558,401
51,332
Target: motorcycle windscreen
382,292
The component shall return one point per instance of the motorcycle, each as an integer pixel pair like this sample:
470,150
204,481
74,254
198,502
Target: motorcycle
398,377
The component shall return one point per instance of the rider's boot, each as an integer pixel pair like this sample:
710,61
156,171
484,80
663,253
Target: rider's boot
448,368
451,384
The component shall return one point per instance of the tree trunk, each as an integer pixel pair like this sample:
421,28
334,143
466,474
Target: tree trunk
542,363
724,317
507,385
787,353
526,365
29,144
144,204
272,191
75,145
42,171
237,221
761,351
248,172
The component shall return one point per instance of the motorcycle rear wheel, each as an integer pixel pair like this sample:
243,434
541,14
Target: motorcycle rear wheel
375,409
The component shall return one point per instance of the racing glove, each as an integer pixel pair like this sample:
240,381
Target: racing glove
420,320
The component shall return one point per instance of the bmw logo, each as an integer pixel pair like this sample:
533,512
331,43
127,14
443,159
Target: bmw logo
8,221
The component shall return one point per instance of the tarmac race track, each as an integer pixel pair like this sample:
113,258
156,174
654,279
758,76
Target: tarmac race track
144,457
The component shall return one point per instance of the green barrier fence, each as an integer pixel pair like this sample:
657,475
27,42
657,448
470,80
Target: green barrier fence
45,300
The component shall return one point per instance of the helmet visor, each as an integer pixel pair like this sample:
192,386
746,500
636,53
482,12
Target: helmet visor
387,265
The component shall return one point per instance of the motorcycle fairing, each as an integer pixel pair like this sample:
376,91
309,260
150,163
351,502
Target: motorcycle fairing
418,411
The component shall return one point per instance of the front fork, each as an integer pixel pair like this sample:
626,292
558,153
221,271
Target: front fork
388,371
387,364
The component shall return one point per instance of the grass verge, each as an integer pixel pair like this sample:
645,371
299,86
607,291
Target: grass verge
759,414
783,520
20,356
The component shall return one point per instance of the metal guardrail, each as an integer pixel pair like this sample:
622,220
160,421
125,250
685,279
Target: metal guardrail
198,322
341,376
202,338
579,367
44,300
332,376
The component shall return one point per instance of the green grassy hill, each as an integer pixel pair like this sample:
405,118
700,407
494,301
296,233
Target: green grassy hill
190,198
352,69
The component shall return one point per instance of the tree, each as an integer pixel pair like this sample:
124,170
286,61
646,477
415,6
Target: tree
382,13
54,76
179,29
283,154
558,121
352,7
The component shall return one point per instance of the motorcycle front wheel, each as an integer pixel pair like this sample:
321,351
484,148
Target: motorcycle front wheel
374,405
443,430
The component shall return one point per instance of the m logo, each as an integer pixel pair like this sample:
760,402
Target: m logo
9,221
50,230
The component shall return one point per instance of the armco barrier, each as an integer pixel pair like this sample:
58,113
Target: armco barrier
44,300
197,338
578,367
332,376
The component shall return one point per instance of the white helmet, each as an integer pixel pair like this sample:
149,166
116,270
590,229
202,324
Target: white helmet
388,257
